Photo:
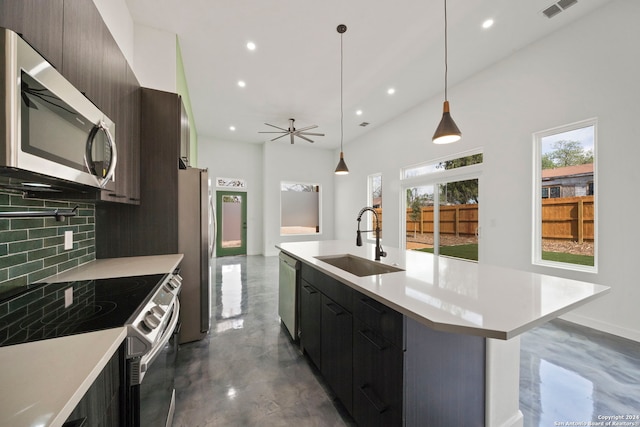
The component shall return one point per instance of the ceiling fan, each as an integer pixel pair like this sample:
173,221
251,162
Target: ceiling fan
292,131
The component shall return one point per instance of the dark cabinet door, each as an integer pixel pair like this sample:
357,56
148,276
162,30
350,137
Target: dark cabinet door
337,345
132,124
377,379
310,322
84,51
40,24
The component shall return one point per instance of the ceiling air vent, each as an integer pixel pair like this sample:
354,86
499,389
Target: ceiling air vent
558,7
552,11
363,124
564,4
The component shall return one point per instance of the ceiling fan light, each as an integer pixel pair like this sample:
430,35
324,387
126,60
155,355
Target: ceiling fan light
447,131
342,168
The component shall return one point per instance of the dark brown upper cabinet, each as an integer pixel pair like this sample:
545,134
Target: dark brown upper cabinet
40,24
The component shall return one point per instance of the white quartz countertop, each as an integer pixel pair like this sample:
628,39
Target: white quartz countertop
119,267
41,382
453,295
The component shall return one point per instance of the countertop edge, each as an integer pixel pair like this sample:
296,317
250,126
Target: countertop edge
487,332
86,384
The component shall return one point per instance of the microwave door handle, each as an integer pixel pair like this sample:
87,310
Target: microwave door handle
114,155
101,126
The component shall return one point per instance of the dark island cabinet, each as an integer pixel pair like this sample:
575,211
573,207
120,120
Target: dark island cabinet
377,378
357,344
310,322
39,22
337,349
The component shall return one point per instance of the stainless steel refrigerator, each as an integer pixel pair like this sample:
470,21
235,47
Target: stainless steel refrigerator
195,241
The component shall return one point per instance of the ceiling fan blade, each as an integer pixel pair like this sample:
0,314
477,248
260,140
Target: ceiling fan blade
306,139
278,137
275,131
307,128
310,133
277,127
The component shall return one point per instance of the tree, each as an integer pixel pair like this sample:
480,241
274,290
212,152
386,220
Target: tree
566,153
460,192
414,201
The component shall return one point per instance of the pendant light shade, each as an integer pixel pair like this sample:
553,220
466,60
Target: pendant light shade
342,168
447,130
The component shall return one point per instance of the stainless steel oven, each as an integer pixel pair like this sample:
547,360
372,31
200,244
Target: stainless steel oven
152,347
136,388
47,127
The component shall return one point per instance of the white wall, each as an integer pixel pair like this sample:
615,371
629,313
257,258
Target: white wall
115,14
233,160
155,58
588,69
296,163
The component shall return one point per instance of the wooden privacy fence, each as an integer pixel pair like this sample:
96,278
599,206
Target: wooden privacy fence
566,218
457,220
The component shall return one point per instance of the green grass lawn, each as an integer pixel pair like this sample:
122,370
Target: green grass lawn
458,251
569,258
471,252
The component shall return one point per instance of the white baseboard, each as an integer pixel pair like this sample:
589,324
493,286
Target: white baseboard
599,325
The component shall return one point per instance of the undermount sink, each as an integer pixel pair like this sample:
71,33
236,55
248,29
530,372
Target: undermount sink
358,266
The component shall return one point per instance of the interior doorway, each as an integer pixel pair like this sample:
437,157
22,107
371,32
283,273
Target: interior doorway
231,215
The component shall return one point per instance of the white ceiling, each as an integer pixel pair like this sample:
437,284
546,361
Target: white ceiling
295,70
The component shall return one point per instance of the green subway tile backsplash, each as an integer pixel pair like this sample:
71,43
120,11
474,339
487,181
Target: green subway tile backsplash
32,249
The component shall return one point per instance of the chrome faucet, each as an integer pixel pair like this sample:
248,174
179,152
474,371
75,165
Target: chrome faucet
379,251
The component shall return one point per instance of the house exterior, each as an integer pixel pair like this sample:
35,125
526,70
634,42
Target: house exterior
568,181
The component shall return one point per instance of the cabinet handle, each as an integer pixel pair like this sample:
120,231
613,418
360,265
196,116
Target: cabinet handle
309,290
366,334
117,196
371,396
367,302
337,312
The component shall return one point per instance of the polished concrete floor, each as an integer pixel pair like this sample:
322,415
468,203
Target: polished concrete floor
248,373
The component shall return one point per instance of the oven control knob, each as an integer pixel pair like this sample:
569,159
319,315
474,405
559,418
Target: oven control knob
158,311
174,282
151,321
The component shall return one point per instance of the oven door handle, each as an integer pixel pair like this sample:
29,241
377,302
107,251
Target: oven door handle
149,358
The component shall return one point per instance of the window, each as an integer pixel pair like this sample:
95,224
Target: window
565,200
550,192
299,208
374,199
442,206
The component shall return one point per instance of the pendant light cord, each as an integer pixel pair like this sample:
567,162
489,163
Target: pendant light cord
341,112
446,67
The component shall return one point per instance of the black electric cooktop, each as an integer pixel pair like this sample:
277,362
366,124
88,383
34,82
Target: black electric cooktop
52,310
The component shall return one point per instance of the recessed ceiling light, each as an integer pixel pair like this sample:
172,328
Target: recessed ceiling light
251,46
359,112
391,91
241,83
232,128
487,24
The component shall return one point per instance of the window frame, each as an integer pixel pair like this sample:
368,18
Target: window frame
436,178
320,226
370,219
536,251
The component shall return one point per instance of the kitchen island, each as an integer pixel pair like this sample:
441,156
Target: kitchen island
42,381
458,318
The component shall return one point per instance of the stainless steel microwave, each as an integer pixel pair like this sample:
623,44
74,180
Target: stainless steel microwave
48,128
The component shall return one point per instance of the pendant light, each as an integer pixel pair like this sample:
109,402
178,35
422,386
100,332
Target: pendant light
342,168
447,130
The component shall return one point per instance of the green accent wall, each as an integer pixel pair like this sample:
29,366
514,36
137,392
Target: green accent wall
33,248
183,91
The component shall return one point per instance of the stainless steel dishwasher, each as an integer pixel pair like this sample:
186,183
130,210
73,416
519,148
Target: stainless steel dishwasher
288,294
